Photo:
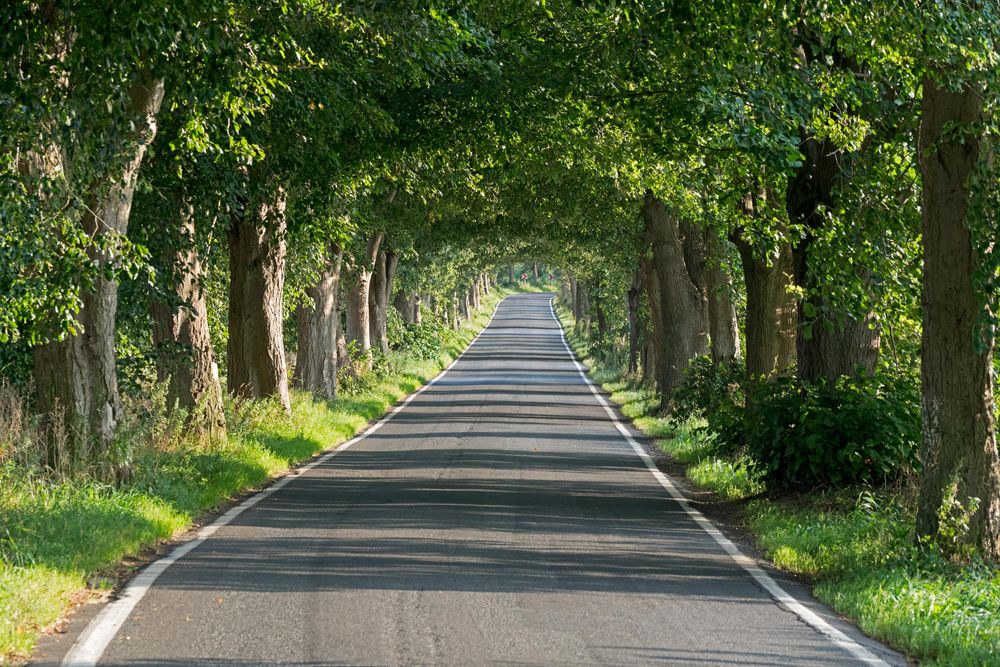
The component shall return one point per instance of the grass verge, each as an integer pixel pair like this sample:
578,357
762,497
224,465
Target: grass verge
59,540
855,546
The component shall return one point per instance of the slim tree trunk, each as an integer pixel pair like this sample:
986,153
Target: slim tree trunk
677,302
959,431
510,274
358,325
463,304
316,360
582,303
75,379
724,332
378,304
534,272
256,351
632,297
180,334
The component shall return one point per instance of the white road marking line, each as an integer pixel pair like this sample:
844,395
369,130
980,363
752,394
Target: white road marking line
760,576
90,646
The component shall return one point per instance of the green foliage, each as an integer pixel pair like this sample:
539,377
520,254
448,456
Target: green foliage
715,392
851,431
423,341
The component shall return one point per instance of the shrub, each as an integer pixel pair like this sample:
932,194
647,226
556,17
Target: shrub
855,430
715,392
422,341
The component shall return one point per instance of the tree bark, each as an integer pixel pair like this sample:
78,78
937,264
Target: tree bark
318,318
180,334
534,272
632,297
827,349
724,331
256,351
463,304
510,274
960,459
358,314
403,303
582,303
772,314
677,302
378,304
75,379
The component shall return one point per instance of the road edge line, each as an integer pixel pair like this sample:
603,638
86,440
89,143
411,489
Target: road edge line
779,594
91,644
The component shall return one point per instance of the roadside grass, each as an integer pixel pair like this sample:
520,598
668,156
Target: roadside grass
856,546
61,539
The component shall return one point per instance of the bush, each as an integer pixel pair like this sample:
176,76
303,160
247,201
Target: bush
715,392
855,430
423,341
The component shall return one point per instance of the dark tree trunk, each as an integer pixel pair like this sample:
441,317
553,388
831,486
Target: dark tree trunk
75,379
677,301
599,314
959,431
824,351
632,297
724,331
186,360
318,319
510,274
534,271
358,314
256,351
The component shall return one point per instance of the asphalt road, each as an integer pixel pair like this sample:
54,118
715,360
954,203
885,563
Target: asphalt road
498,518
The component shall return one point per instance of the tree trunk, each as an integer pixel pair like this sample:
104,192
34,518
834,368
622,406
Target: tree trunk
825,349
534,272
676,300
403,303
180,335
510,274
724,331
959,432
256,351
582,303
378,304
463,304
75,379
358,315
316,360
632,296
772,314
